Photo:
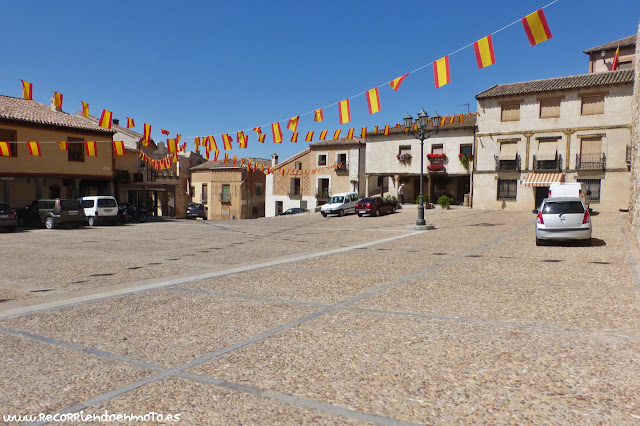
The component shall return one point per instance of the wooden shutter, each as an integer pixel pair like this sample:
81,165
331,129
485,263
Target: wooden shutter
592,145
510,112
508,150
593,105
550,108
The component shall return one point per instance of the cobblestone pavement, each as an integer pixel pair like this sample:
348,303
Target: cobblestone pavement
311,320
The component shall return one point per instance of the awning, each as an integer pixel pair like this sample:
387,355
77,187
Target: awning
547,151
508,150
543,179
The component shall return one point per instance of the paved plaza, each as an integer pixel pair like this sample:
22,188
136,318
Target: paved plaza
312,320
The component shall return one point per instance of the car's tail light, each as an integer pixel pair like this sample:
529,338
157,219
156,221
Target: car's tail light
540,220
97,213
15,214
580,193
549,193
586,218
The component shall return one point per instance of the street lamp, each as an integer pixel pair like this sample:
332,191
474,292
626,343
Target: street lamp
422,129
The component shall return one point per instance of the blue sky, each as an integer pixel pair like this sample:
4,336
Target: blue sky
211,67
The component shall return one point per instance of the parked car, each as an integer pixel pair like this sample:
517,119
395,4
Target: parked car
53,213
375,206
340,204
294,210
100,209
195,210
563,218
8,217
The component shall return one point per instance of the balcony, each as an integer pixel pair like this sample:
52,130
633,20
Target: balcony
436,168
628,155
550,165
342,167
507,165
295,193
594,161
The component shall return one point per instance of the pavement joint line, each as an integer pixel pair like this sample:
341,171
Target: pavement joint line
190,279
248,297
632,260
296,401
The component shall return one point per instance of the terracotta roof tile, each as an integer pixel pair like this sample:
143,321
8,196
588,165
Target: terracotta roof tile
338,142
467,122
560,83
213,165
627,41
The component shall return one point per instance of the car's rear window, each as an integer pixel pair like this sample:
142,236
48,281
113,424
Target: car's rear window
366,200
106,202
4,206
564,207
87,204
70,205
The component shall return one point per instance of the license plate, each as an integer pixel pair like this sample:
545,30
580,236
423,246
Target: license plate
73,213
5,216
108,210
362,211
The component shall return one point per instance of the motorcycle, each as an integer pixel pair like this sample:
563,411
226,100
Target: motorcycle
128,213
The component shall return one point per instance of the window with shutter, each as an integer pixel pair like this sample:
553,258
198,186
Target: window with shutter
510,112
591,145
550,108
226,193
593,105
75,149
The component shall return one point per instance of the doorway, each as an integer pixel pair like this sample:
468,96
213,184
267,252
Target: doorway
542,192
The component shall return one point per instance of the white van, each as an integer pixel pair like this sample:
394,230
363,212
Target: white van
340,204
569,189
100,209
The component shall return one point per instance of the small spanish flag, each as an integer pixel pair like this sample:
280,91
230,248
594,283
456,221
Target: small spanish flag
226,158
5,149
261,137
344,111
64,145
484,52
27,90
375,130
258,130
536,27
206,154
165,132
441,72
350,134
451,119
363,133
293,123
323,135
34,149
386,130
395,83
226,141
443,121
309,137
614,63
461,119
57,100
242,139
213,146
105,119
85,109
172,145
373,100
118,147
318,115
130,123
215,155
196,142
336,134
146,136
277,133
234,160
294,137
91,148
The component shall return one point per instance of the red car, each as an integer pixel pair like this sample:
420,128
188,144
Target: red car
375,206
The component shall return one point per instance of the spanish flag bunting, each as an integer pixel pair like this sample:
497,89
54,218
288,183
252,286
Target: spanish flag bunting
178,136
282,171
373,100
258,130
294,137
226,158
213,146
130,123
395,83
164,132
614,64
277,133
226,141
85,109
451,119
398,125
444,120
255,167
5,149
146,135
350,134
363,133
234,160
64,145
323,135
206,154
57,100
441,72
196,142
484,52
242,139
344,111
118,147
293,123
172,145
34,149
336,134
27,90
318,115
92,148
215,155
461,119
415,126
261,138
105,119
386,130
536,27
375,130
242,162
261,167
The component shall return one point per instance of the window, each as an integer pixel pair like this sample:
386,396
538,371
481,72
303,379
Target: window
322,160
258,189
592,105
404,149
323,187
303,204
294,188
626,65
592,186
225,195
298,165
10,136
75,149
437,149
507,189
550,108
466,149
205,193
510,112
591,146
342,158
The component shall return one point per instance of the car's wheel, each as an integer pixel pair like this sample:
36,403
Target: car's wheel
48,223
324,215
204,218
21,222
393,209
359,214
341,213
376,213
539,242
92,221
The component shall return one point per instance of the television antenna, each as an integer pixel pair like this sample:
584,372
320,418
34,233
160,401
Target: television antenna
464,105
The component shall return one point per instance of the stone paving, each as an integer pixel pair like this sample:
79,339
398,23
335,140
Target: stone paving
311,320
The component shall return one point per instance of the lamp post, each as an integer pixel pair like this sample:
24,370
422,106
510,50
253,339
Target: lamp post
425,128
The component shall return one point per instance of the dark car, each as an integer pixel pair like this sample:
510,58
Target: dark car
294,210
53,213
196,210
375,206
8,217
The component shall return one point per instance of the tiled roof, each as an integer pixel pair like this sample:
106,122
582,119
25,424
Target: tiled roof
560,83
23,110
294,157
338,142
214,165
467,122
627,41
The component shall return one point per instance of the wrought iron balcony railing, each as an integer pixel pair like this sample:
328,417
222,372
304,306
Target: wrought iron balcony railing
594,161
342,167
507,164
548,164
628,155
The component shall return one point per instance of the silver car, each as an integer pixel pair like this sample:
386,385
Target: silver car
563,218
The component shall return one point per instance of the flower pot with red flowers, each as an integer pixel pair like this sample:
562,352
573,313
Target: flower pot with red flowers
435,167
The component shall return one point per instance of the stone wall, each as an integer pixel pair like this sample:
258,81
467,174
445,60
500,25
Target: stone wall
634,215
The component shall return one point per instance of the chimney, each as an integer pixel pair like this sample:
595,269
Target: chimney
116,121
274,160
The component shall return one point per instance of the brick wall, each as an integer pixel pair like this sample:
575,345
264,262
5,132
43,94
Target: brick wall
634,214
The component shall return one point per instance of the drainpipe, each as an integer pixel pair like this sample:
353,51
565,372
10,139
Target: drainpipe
473,167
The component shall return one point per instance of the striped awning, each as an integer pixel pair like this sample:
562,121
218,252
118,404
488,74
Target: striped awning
543,179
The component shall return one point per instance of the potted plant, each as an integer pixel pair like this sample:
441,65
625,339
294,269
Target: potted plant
435,167
433,156
465,159
445,201
425,200
404,158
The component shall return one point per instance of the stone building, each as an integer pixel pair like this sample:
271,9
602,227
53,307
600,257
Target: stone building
634,212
